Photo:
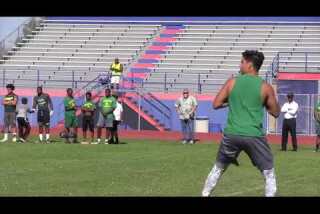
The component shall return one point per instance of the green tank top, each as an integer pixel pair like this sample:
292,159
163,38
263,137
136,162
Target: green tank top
317,107
317,112
10,97
69,106
245,116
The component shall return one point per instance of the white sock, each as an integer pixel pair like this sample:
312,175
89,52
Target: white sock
98,140
47,136
40,137
212,180
270,182
5,137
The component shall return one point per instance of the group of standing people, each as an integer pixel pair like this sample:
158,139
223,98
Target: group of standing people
109,110
13,111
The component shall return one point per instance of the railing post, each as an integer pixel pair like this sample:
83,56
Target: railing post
165,82
73,86
306,62
199,87
38,77
139,111
278,62
131,81
4,77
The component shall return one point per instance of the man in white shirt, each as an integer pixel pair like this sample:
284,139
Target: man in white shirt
290,109
186,107
117,120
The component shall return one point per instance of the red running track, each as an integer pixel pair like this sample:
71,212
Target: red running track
176,136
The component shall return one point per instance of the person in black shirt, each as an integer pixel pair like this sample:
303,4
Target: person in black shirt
45,110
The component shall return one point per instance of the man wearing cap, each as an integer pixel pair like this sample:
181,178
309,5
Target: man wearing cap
290,109
186,106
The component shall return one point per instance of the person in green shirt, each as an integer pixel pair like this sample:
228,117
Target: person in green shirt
246,96
107,105
70,119
9,103
316,114
88,109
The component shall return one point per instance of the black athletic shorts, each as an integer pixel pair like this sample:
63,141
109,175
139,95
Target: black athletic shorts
44,117
256,148
87,122
22,122
115,125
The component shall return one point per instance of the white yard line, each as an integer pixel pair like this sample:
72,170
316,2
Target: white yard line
261,188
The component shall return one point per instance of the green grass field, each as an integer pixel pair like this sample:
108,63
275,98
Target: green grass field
144,168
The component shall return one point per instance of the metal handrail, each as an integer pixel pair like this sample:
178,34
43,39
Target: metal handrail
140,93
285,54
17,29
183,21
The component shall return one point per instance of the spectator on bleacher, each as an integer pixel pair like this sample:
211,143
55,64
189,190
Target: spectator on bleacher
317,125
116,69
45,110
290,109
186,106
10,102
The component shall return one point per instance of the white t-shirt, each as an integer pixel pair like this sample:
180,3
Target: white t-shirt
117,112
185,106
290,110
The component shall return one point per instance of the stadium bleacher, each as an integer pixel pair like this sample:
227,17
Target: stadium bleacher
191,54
70,52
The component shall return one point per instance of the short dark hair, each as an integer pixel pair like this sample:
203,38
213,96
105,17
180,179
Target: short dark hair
11,86
24,100
290,95
89,93
108,89
255,57
69,89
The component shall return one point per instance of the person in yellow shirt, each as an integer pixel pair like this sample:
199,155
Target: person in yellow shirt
116,69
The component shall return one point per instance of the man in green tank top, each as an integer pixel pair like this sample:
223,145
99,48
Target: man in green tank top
317,124
246,96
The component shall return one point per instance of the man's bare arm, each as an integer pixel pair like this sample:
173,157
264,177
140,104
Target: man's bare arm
14,101
270,100
222,97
